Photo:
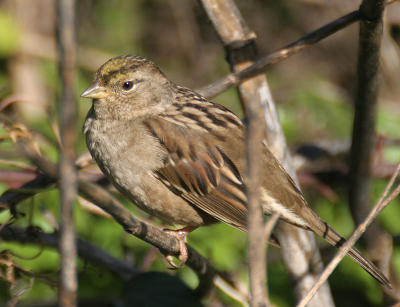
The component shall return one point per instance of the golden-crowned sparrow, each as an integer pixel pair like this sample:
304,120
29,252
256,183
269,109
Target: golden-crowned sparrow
181,158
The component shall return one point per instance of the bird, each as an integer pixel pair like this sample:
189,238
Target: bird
181,157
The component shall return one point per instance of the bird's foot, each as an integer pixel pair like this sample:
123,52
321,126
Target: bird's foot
179,234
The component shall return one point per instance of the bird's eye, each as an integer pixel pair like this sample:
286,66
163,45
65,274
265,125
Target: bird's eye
127,85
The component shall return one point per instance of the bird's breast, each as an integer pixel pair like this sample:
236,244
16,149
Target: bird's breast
128,156
123,151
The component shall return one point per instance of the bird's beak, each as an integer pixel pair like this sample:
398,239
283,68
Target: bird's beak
94,91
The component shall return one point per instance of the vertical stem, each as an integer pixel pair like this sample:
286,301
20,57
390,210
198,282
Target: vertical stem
363,140
68,175
298,247
241,50
257,240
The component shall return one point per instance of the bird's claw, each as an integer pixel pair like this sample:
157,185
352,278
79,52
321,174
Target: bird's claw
180,235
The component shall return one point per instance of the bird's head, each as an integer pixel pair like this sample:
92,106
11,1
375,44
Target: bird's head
127,87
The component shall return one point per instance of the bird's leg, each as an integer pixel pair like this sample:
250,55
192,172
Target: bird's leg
180,234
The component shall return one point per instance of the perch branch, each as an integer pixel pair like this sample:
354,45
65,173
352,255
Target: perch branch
102,198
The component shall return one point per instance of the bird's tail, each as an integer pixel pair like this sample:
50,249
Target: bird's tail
336,240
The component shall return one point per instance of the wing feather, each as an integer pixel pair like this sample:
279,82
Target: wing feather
199,171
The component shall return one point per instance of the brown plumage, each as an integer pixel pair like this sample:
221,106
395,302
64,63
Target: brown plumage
181,157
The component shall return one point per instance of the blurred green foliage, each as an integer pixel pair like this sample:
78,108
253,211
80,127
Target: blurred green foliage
312,110
9,33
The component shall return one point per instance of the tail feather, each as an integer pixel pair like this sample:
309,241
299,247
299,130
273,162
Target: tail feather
369,267
336,240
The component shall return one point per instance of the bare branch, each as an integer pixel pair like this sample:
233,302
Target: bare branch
259,66
366,99
68,174
151,234
365,109
233,31
9,198
99,196
270,224
363,154
86,250
380,205
242,55
227,288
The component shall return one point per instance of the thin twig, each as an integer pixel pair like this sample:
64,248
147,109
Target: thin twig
270,224
257,241
97,256
66,43
227,288
11,197
22,165
86,250
268,228
235,78
389,185
232,29
380,205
